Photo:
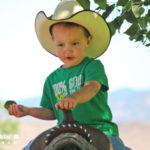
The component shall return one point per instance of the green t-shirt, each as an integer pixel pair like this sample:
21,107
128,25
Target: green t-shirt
65,81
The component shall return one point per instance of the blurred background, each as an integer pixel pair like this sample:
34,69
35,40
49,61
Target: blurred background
24,66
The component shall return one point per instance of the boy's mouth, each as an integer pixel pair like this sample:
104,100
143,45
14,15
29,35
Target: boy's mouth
69,58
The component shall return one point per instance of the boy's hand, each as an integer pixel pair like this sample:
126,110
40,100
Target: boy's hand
18,110
67,103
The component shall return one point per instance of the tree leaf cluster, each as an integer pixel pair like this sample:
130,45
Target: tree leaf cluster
134,12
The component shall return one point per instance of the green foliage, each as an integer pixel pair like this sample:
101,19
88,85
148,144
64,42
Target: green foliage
85,4
2,148
108,11
8,126
135,12
101,3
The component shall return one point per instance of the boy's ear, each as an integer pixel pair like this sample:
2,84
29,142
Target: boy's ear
89,39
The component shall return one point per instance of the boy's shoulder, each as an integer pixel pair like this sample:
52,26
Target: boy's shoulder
89,60
92,62
53,73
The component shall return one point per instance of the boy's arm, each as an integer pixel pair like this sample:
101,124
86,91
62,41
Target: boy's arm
86,93
40,113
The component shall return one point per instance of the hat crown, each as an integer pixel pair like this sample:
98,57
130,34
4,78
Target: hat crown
66,8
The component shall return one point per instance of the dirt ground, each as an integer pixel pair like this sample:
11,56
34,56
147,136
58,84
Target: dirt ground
134,134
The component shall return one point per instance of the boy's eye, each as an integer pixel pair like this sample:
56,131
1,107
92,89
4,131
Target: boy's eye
60,45
75,43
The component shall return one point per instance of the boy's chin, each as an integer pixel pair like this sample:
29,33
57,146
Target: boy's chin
71,62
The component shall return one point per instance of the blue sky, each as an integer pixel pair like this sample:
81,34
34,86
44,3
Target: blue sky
24,64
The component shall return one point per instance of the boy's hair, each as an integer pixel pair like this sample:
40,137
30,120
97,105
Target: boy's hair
70,24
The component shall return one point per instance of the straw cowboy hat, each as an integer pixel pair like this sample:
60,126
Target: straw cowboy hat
72,11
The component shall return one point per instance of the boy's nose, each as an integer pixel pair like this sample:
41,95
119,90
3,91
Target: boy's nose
68,48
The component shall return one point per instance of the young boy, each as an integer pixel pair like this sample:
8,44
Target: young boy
76,37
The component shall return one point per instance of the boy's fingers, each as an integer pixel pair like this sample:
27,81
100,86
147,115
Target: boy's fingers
70,106
62,105
19,111
14,110
10,110
66,105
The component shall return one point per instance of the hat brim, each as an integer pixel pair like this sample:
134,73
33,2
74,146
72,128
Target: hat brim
91,20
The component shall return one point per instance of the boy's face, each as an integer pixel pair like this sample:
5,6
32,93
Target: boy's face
71,44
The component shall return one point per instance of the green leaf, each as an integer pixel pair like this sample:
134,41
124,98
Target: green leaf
84,3
101,3
147,17
148,45
50,17
112,28
137,10
108,11
129,16
98,8
139,37
128,6
132,30
148,35
146,2
8,103
136,0
143,22
117,22
122,2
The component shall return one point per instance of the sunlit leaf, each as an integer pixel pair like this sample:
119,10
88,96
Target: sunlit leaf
137,10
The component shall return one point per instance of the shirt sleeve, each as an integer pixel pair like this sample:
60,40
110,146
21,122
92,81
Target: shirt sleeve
45,100
95,71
